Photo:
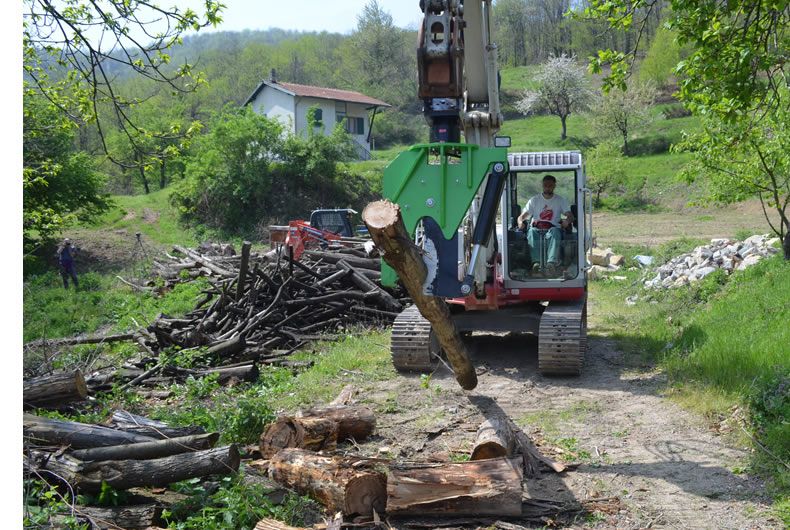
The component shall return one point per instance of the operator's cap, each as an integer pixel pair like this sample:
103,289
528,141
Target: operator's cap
67,240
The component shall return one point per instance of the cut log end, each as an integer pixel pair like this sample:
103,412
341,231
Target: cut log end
366,492
380,214
488,450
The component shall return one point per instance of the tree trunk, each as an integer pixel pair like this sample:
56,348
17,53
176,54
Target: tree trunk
385,224
125,474
149,450
54,390
564,127
494,439
142,175
786,244
77,435
243,268
625,143
162,178
483,487
134,517
337,483
353,422
128,422
312,434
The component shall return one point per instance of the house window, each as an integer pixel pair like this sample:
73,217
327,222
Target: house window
319,117
355,125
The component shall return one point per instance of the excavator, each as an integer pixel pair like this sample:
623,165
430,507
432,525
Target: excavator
461,195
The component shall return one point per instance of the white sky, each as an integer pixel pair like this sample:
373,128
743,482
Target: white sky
338,16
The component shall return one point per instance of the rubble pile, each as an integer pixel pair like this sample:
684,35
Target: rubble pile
724,254
603,262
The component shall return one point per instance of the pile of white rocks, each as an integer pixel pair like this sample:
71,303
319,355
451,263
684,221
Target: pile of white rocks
719,254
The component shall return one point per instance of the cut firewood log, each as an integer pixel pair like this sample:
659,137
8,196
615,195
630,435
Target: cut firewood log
313,434
41,431
132,423
247,372
494,439
149,450
354,421
125,474
344,397
482,487
384,222
274,524
54,390
350,486
133,517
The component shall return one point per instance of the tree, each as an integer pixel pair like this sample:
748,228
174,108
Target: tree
74,51
60,185
739,160
604,169
662,57
562,88
623,111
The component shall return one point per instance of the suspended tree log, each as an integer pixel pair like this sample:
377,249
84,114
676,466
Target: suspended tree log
494,439
353,422
138,516
149,450
385,225
339,484
54,390
312,434
125,474
77,435
483,487
128,422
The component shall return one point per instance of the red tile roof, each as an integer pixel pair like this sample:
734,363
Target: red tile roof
330,93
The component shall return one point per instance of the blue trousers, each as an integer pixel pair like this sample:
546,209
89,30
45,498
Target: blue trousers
67,270
551,237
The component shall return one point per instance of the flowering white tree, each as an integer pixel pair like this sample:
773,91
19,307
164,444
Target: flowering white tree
562,88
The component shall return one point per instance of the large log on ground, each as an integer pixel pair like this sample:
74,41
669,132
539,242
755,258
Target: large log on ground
385,225
125,474
40,431
482,487
128,422
249,372
313,434
353,421
149,450
54,390
347,485
494,439
133,517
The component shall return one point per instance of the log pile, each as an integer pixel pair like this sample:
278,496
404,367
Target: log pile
257,310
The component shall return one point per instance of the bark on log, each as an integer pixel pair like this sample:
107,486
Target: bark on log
248,373
128,422
483,487
531,454
273,524
385,224
149,450
344,397
312,434
330,257
339,484
77,435
132,517
205,262
125,474
53,390
354,422
494,439
367,286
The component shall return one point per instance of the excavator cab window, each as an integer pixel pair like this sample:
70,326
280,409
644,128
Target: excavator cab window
542,248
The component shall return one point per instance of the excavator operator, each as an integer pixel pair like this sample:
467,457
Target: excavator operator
549,214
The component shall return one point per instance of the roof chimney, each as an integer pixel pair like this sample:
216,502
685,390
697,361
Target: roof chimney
273,77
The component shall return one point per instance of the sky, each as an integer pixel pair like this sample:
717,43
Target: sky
338,16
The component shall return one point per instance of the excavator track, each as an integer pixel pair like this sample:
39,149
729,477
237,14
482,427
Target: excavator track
562,338
412,345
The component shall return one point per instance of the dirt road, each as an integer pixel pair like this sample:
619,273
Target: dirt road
656,465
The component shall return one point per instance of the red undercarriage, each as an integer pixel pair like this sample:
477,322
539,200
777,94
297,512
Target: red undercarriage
497,296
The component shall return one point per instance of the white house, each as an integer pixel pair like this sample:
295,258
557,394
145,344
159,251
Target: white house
289,103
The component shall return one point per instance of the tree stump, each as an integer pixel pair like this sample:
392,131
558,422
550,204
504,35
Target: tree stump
313,434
